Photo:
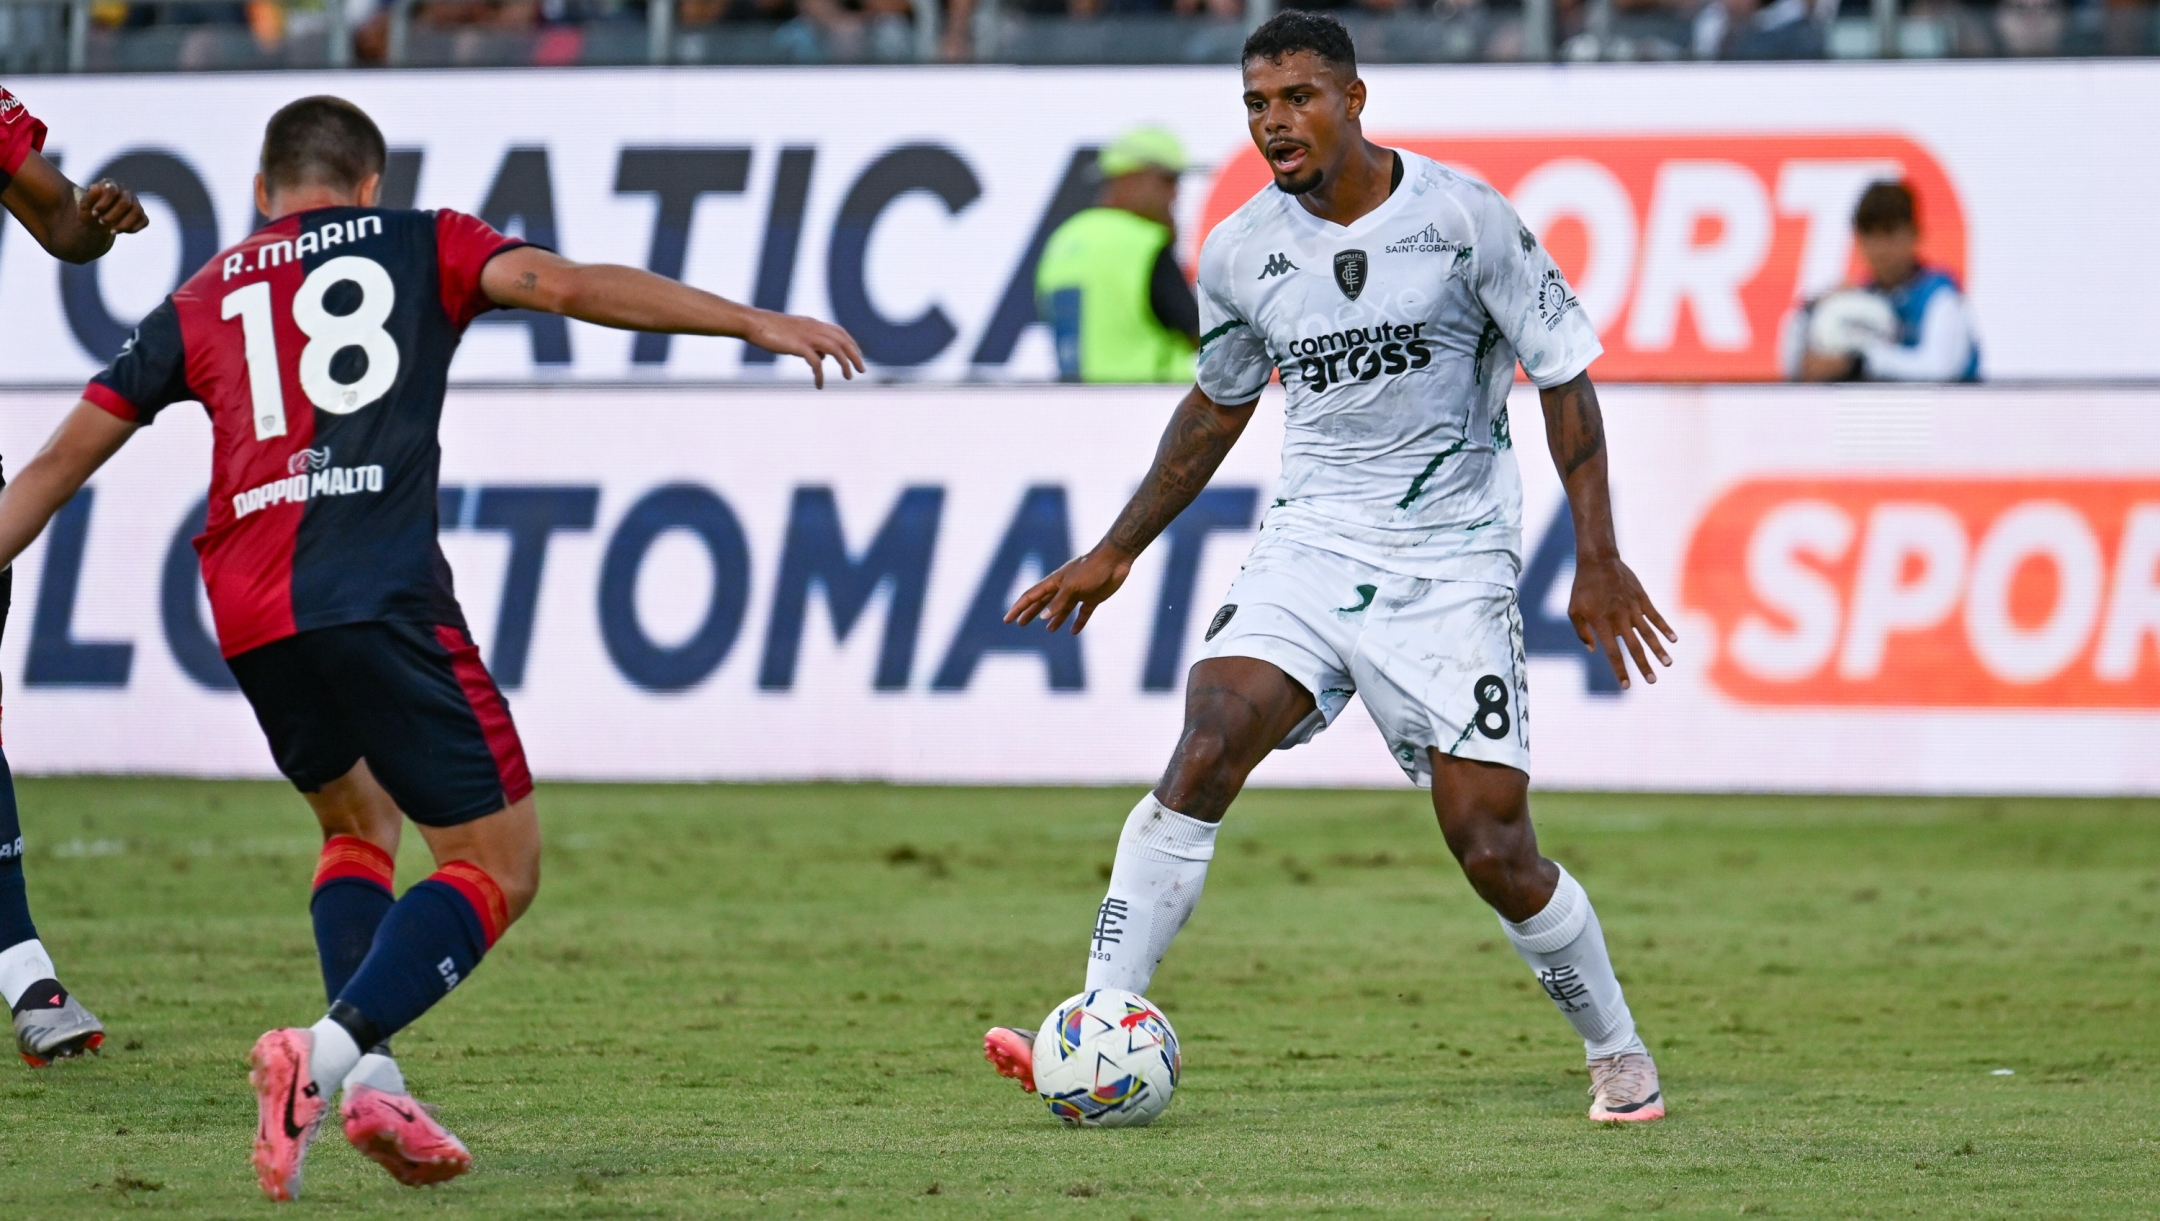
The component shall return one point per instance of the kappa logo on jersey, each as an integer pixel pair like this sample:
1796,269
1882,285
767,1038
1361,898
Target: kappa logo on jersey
1554,300
314,241
308,460
1277,264
308,484
1361,353
1350,268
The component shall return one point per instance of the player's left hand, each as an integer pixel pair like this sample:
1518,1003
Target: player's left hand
1074,590
793,335
1609,608
112,207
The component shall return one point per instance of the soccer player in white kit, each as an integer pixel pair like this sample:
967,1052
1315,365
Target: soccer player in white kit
1396,297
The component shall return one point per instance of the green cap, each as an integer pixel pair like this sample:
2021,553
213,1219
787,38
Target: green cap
1140,149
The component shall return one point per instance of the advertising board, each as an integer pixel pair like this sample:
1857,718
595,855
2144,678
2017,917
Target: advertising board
1690,204
1919,590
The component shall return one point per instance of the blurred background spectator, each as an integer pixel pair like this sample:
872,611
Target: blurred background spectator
154,35
1118,305
1760,29
1908,322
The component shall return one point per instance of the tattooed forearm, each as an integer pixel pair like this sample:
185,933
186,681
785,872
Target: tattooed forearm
1575,432
1200,433
1574,426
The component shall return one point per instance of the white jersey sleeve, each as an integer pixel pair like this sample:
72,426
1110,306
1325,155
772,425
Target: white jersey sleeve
1233,365
1527,297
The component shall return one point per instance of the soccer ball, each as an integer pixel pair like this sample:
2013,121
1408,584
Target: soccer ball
1106,1059
1849,320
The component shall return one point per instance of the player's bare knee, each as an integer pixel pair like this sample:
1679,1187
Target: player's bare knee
1486,864
1206,773
520,886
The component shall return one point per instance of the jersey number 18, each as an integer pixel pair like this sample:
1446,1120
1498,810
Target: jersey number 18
328,334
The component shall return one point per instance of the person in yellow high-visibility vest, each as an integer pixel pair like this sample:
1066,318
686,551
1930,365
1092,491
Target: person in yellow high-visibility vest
1109,283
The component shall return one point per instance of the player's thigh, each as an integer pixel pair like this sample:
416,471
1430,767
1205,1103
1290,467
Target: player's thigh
1245,705
1441,667
435,729
1296,609
299,710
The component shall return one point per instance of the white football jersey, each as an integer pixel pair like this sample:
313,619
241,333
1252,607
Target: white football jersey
1397,338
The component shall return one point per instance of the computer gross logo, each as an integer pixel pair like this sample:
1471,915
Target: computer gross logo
1932,592
1685,252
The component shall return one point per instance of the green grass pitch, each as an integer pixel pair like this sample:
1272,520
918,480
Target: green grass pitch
767,1001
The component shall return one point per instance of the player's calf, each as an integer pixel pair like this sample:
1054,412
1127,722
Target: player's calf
1236,710
1547,916
50,1024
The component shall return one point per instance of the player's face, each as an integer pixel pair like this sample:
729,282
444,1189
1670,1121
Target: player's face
1891,254
1302,117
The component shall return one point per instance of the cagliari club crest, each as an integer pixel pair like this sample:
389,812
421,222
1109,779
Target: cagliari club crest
1350,268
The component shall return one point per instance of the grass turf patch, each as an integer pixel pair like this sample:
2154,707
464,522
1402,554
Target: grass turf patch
767,1001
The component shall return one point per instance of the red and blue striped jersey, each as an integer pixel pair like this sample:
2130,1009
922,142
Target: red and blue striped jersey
20,135
320,347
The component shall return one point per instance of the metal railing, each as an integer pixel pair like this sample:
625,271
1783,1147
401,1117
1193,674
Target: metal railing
80,19
69,39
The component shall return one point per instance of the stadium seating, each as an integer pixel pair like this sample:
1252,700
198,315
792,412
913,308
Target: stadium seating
190,35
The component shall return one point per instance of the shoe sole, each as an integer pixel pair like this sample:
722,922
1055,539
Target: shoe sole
69,1050
1655,1110
383,1149
1008,1062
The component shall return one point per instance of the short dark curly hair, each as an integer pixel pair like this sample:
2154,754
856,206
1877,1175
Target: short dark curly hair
1301,30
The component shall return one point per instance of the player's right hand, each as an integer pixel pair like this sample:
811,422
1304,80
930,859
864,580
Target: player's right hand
1074,590
793,335
112,207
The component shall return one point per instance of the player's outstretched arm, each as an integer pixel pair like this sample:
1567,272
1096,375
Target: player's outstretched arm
634,300
73,223
1201,431
1608,607
84,441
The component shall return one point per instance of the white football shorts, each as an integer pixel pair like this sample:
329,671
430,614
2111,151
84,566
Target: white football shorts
1438,663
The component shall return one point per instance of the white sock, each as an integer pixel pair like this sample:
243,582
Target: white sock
21,965
377,1071
1162,860
334,1057
1565,945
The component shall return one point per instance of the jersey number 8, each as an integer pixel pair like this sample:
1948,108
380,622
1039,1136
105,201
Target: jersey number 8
328,334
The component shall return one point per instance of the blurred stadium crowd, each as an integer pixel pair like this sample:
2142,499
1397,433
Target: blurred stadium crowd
163,35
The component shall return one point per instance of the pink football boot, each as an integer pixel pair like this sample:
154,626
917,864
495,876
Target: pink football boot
289,1109
1624,1089
402,1137
1012,1053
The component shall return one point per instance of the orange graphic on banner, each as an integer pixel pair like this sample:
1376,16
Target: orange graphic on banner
1942,593
1685,251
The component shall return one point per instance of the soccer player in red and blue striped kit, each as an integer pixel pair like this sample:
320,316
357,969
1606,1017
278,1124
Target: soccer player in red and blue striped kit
320,348
75,224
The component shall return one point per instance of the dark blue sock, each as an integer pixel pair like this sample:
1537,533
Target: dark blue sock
352,894
15,924
347,913
430,940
